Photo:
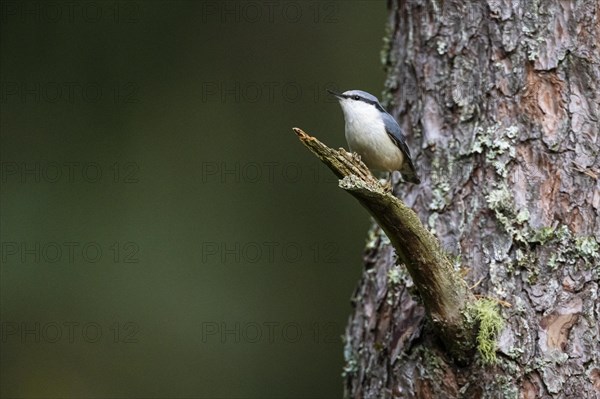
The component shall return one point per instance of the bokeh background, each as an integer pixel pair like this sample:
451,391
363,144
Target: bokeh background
164,233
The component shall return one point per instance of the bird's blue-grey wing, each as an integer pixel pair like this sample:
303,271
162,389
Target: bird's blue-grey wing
395,133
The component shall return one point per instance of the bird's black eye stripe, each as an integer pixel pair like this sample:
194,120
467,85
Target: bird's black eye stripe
366,100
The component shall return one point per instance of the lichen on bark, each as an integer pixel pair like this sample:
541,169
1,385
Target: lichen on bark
500,101
442,290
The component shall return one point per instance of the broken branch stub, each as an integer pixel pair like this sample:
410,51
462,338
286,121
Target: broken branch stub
444,293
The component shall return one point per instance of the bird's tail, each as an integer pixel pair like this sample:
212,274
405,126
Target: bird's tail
410,174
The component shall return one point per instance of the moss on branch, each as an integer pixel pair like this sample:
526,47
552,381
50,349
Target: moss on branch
443,291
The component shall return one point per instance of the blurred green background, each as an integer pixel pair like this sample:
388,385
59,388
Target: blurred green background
164,234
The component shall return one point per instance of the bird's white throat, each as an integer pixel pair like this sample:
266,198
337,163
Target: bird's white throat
366,135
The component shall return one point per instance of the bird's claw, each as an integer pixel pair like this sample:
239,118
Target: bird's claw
387,186
356,157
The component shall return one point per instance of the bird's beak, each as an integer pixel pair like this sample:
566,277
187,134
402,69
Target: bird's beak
338,95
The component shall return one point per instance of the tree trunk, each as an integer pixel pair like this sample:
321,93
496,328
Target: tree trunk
500,100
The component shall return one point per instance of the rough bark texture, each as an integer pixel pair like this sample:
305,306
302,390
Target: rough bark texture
501,103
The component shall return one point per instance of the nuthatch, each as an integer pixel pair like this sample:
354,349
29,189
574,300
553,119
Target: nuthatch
375,135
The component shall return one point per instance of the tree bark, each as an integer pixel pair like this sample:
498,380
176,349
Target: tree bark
500,100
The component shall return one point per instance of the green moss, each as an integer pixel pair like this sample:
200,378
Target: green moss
543,235
500,201
440,184
395,275
432,362
568,248
587,246
386,49
431,222
528,260
350,357
484,312
373,235
514,353
563,233
456,261
523,216
507,386
532,276
495,142
552,262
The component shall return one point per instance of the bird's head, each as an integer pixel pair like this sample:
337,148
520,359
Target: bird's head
358,103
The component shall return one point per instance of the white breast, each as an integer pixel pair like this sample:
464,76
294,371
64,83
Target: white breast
366,135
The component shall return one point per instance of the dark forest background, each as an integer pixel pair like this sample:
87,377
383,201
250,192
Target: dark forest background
163,232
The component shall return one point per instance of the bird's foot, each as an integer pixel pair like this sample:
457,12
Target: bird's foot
387,185
356,157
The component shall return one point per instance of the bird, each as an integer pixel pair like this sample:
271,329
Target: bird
375,135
